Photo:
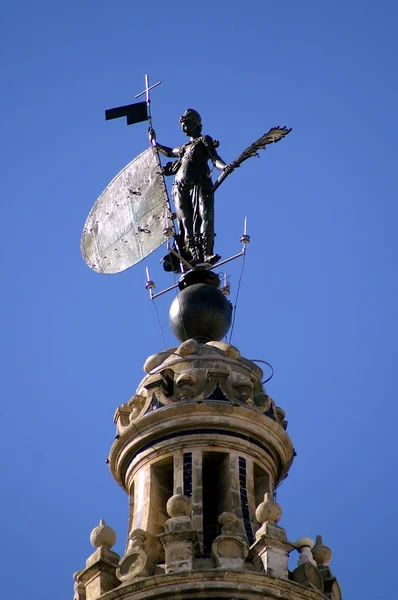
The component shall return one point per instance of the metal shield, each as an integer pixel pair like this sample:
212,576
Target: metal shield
126,223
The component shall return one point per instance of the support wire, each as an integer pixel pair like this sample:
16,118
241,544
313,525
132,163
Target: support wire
237,297
159,323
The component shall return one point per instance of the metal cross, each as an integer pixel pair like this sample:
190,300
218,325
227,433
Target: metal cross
148,98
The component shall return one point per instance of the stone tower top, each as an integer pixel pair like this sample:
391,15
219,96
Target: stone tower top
200,449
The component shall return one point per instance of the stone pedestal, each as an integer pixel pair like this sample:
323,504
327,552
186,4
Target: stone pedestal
273,549
178,539
99,576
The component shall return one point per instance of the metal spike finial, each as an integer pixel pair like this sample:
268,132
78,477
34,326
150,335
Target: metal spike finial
149,284
245,238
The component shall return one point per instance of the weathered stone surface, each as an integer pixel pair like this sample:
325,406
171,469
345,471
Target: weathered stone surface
178,539
136,562
153,361
273,549
308,575
79,589
229,550
188,348
99,576
214,583
228,349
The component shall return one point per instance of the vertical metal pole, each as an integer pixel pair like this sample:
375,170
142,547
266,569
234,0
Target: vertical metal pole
148,100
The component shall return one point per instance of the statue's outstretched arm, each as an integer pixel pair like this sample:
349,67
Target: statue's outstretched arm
214,157
219,163
165,150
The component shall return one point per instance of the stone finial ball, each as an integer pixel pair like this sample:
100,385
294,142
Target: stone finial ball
304,542
268,511
228,521
179,506
103,536
321,553
201,312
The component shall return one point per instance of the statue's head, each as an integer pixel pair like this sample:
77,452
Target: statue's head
191,122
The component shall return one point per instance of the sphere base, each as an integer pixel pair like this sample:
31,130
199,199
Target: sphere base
202,312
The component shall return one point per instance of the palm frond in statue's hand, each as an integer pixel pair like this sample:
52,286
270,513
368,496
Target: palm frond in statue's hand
275,134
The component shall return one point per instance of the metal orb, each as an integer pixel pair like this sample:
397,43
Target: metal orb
201,312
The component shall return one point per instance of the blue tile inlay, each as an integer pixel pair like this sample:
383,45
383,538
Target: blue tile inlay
244,500
187,474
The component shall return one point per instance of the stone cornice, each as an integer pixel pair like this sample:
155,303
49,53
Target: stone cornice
190,415
243,585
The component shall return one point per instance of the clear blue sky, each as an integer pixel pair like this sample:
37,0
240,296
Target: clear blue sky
319,295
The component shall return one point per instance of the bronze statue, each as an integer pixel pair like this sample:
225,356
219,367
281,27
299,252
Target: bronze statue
192,190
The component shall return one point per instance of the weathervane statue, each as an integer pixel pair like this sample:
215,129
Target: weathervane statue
133,217
193,192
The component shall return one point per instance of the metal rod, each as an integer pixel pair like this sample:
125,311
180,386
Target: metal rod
169,247
172,287
148,100
150,88
223,262
186,263
147,88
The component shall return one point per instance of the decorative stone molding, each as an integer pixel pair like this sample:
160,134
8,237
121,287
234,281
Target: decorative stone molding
331,585
308,575
79,589
121,418
199,372
136,562
243,388
213,583
155,360
186,386
178,539
136,404
280,416
229,550
188,348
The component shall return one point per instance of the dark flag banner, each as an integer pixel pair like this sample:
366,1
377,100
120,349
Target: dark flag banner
134,113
